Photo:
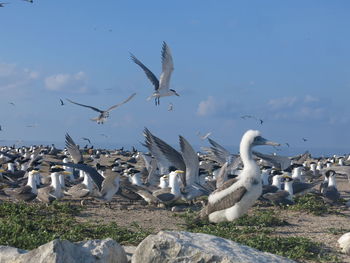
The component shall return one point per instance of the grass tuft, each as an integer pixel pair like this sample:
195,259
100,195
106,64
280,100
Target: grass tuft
28,226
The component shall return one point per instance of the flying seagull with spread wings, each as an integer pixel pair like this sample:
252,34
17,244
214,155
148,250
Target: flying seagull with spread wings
161,86
104,114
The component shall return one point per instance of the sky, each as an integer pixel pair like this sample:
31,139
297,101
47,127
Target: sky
285,62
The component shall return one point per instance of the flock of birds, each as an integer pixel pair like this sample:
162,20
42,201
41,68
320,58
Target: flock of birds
167,177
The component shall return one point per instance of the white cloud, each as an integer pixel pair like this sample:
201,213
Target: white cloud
280,103
309,98
14,80
207,107
67,82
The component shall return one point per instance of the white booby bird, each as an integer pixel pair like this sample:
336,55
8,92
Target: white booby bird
161,86
237,195
344,243
104,114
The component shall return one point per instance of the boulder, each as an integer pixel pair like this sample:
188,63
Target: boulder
60,251
8,253
169,246
129,250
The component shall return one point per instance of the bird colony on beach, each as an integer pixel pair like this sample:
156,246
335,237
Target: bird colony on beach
164,176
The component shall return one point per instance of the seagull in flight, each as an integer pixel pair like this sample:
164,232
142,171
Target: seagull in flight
104,114
62,103
11,102
204,136
86,139
161,86
304,139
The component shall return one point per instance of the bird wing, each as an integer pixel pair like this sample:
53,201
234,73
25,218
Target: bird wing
95,176
87,106
119,104
164,154
191,161
73,150
281,162
225,202
167,67
218,152
149,73
86,139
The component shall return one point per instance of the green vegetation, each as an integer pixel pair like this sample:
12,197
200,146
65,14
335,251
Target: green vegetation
257,230
311,203
28,226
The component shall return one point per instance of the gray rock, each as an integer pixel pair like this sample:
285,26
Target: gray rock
168,246
61,251
129,250
8,253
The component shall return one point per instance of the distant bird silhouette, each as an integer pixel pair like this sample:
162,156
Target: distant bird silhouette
86,139
0,128
261,121
3,4
62,103
287,144
12,103
30,1
170,107
304,139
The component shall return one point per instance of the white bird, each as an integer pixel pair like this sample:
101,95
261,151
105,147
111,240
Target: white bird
104,114
236,196
161,86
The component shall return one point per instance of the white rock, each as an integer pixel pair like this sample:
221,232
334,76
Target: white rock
168,246
129,250
344,243
8,253
62,251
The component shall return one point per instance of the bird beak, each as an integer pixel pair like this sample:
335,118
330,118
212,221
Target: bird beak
66,173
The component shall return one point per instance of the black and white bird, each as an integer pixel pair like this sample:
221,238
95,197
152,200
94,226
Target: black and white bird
236,196
104,114
161,86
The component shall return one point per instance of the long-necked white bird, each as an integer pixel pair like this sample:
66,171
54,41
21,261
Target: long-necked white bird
236,196
104,114
161,86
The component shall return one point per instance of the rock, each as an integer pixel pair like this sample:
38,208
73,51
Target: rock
60,251
8,253
168,246
106,250
344,243
129,250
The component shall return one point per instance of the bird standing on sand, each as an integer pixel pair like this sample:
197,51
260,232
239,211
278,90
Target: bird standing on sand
236,196
161,86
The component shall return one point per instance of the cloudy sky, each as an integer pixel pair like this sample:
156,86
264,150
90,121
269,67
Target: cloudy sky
285,62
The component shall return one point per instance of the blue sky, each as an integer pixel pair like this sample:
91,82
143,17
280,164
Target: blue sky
286,62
